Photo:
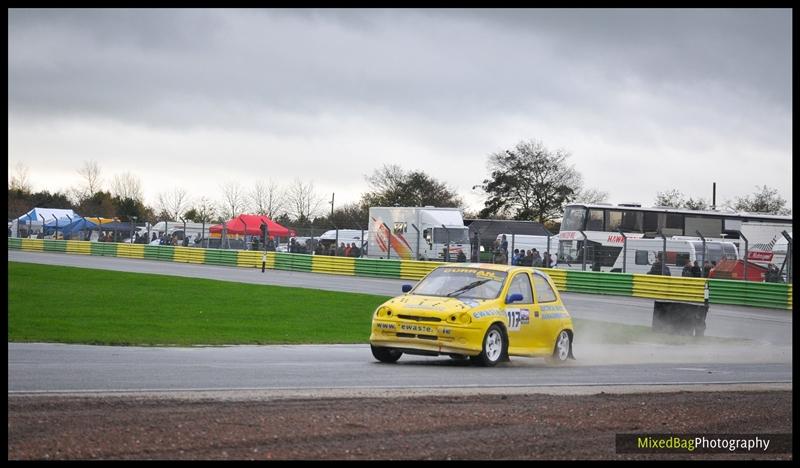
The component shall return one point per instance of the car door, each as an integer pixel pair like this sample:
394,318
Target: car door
550,312
521,333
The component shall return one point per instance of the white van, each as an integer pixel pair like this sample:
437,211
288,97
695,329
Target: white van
193,230
641,254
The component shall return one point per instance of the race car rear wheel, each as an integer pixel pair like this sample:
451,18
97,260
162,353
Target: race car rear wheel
494,347
562,349
388,355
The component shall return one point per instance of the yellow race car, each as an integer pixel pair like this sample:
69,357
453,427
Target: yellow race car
482,311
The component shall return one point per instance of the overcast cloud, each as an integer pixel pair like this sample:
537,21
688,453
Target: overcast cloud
644,100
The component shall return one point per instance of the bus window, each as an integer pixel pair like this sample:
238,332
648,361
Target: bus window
574,218
674,225
708,227
632,221
595,221
613,220
650,222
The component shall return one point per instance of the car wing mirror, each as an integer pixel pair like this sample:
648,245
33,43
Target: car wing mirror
406,288
516,297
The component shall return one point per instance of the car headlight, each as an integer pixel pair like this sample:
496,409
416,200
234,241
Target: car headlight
464,318
383,311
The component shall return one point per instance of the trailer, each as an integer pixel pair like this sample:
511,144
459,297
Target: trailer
642,253
421,233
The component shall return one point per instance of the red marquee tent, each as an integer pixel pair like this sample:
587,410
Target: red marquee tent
253,224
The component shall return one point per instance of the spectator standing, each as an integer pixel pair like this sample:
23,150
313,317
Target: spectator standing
504,248
655,269
515,257
461,258
697,272
706,269
340,250
687,270
347,250
536,259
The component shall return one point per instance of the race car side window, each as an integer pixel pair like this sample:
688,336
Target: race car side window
522,284
544,293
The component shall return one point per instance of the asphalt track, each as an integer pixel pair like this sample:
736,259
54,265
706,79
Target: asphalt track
763,358
39,367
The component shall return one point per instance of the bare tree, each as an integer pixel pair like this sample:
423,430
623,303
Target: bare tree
234,200
173,203
202,212
205,209
127,185
267,198
19,181
763,200
302,201
90,171
591,195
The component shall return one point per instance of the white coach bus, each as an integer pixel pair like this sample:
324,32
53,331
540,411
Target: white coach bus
603,228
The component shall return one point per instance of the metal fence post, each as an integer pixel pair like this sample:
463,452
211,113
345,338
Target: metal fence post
624,250
746,248
703,263
511,255
447,245
788,259
583,257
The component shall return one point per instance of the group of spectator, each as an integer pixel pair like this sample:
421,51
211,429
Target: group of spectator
531,258
319,248
690,269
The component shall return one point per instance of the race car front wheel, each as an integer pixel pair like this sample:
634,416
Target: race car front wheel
494,347
388,355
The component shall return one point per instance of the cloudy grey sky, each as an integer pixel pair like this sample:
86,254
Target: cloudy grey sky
644,100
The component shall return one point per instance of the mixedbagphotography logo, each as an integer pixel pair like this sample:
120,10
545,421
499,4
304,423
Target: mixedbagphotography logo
704,443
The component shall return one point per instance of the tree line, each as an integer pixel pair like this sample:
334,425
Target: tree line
526,182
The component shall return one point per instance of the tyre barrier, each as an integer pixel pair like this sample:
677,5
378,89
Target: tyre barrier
680,318
746,293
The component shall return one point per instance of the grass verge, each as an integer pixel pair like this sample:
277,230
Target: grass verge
79,305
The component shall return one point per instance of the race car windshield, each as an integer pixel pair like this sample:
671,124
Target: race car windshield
469,283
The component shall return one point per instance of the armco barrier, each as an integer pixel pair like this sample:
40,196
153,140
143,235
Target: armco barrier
668,287
79,247
377,267
104,249
292,262
249,258
409,269
188,255
599,283
130,250
559,277
336,265
749,293
650,286
221,257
